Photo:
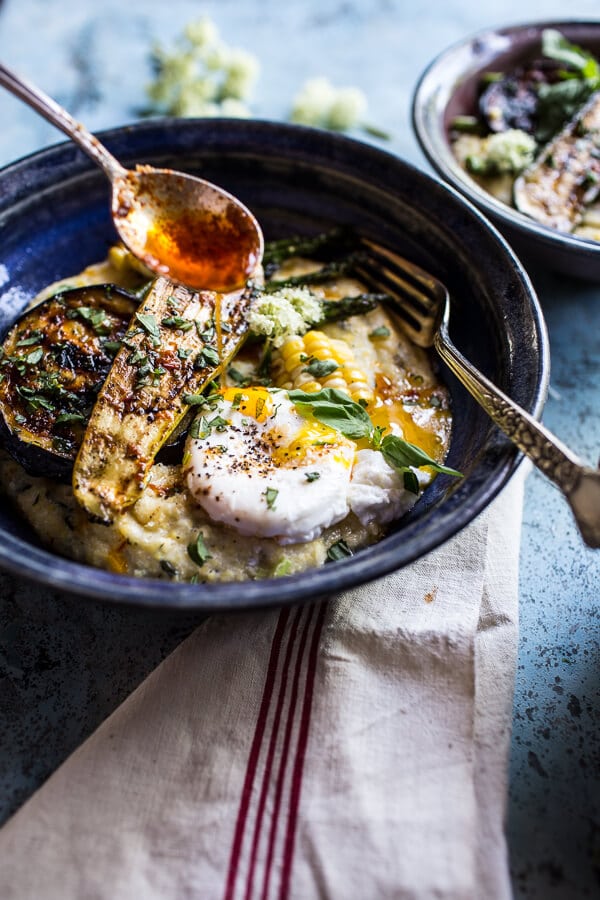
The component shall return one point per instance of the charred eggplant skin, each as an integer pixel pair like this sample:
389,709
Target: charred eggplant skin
53,362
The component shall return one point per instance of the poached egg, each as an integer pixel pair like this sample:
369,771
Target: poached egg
254,463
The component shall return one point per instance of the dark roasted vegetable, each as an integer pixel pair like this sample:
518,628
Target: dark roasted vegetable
566,176
52,365
512,100
177,342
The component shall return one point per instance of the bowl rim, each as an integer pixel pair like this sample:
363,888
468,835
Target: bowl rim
431,136
58,573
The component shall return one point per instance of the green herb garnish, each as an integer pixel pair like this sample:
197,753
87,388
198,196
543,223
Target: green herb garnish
198,551
382,332
150,326
320,368
339,550
271,496
335,409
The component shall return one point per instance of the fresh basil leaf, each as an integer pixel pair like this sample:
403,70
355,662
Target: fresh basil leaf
556,46
401,454
335,409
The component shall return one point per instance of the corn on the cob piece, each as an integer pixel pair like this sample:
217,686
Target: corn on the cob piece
291,367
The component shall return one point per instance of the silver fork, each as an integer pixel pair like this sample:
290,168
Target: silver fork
422,304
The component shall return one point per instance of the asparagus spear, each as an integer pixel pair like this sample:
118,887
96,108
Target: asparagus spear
335,269
278,251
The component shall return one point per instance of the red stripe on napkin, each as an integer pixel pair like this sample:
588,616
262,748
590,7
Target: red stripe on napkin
284,754
296,788
279,740
271,751
254,753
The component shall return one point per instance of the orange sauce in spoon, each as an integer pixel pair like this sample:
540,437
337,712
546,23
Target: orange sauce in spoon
204,250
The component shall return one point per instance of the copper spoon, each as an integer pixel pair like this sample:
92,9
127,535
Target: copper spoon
179,226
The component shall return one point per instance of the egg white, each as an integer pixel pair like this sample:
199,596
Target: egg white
272,474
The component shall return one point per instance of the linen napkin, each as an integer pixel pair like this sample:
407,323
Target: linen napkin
352,749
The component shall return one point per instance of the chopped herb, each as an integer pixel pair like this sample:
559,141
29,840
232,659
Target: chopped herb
97,318
34,338
194,399
320,368
382,332
237,399
150,326
238,377
206,332
33,358
65,417
177,322
283,567
138,357
339,550
197,550
208,356
312,476
411,482
271,496
199,428
168,567
182,353
218,423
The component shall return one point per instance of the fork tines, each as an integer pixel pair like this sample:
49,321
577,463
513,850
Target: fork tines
417,298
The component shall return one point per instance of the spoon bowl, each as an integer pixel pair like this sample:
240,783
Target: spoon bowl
185,228
177,225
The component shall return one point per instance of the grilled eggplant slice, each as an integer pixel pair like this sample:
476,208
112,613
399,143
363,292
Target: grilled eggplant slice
177,343
52,364
565,177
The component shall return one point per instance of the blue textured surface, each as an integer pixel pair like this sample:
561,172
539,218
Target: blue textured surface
60,677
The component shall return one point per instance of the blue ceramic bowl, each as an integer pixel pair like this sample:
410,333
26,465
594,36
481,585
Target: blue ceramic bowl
450,87
54,220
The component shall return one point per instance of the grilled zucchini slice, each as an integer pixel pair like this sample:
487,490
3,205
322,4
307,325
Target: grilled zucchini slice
178,341
52,364
565,177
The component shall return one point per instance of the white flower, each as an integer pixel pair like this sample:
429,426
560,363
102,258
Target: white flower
284,313
320,104
203,76
348,109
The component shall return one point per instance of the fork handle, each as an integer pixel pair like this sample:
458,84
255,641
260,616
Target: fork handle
579,483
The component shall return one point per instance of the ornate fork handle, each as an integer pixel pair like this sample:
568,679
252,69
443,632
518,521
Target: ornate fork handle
579,483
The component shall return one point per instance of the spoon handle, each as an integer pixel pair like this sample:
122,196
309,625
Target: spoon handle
54,113
579,483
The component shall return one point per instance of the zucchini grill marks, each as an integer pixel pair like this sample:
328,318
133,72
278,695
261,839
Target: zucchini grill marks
177,342
566,176
52,364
